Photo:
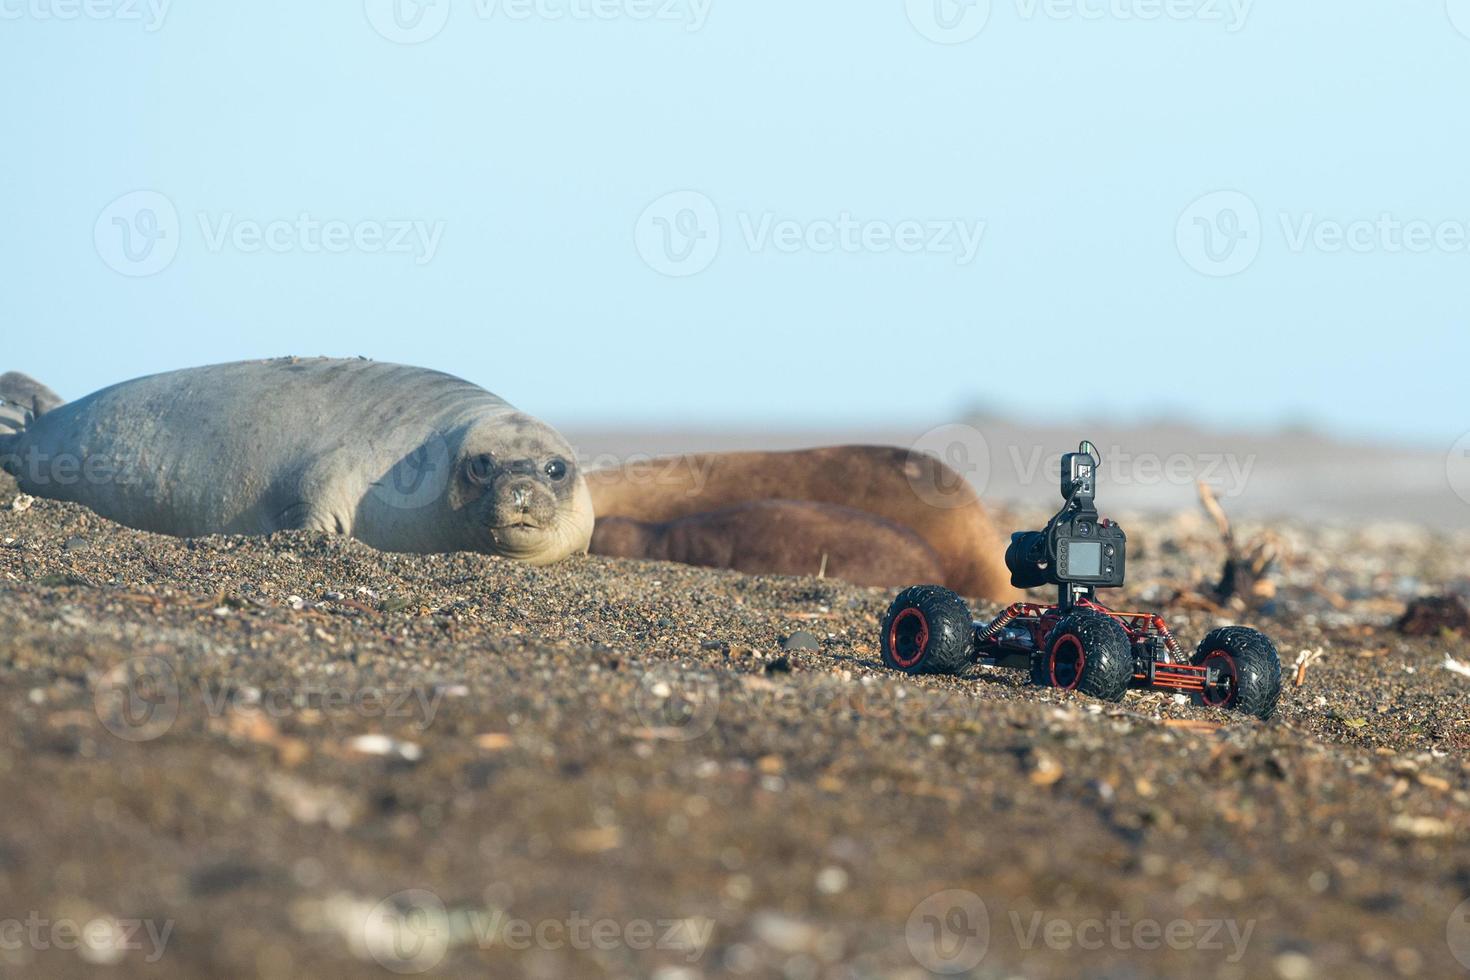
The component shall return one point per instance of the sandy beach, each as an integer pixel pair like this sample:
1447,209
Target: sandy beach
296,756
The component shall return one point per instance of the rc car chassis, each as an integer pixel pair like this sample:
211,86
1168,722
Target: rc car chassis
1078,644
1092,649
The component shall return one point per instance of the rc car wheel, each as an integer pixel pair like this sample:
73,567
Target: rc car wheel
1249,671
1087,652
928,630
1040,668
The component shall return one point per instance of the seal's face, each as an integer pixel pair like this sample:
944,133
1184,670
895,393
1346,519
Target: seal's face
525,494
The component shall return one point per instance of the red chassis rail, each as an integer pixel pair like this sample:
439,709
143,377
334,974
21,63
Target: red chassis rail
1145,631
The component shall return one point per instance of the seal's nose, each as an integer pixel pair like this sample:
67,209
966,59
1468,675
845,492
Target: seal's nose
520,497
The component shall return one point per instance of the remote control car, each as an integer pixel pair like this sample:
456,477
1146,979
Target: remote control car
1079,644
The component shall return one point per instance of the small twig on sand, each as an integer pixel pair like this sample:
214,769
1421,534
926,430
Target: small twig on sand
1304,660
822,571
1192,724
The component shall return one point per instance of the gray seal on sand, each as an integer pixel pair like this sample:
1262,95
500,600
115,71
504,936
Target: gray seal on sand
402,458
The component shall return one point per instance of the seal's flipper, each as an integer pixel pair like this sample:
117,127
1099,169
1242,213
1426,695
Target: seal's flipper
22,398
303,516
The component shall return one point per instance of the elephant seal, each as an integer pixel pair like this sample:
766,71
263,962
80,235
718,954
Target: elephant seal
402,458
890,483
27,394
779,537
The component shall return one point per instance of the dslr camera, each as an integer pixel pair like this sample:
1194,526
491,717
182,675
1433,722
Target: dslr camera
1078,550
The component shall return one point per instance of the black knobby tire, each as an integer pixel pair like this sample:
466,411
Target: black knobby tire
1040,670
1252,669
928,630
1087,652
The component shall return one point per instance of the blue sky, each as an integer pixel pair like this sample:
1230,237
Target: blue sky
693,212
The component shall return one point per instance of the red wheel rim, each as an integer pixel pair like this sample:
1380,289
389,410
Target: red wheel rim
1066,662
1229,677
908,631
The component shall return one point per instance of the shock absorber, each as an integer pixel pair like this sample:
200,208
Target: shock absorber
999,623
1176,656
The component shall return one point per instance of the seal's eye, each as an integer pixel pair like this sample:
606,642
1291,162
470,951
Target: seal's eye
479,469
556,470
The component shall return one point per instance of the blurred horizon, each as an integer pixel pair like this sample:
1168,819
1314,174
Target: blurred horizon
1146,469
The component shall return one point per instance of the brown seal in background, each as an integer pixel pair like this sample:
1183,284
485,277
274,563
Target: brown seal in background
912,490
779,537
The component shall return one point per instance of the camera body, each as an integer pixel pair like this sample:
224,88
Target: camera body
1078,548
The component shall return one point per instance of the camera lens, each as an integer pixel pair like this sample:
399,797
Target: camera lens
1026,558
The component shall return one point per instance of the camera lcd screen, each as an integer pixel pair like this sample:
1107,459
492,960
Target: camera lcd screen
1084,559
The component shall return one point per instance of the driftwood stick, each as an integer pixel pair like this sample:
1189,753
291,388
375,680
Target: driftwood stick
1213,508
1247,568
